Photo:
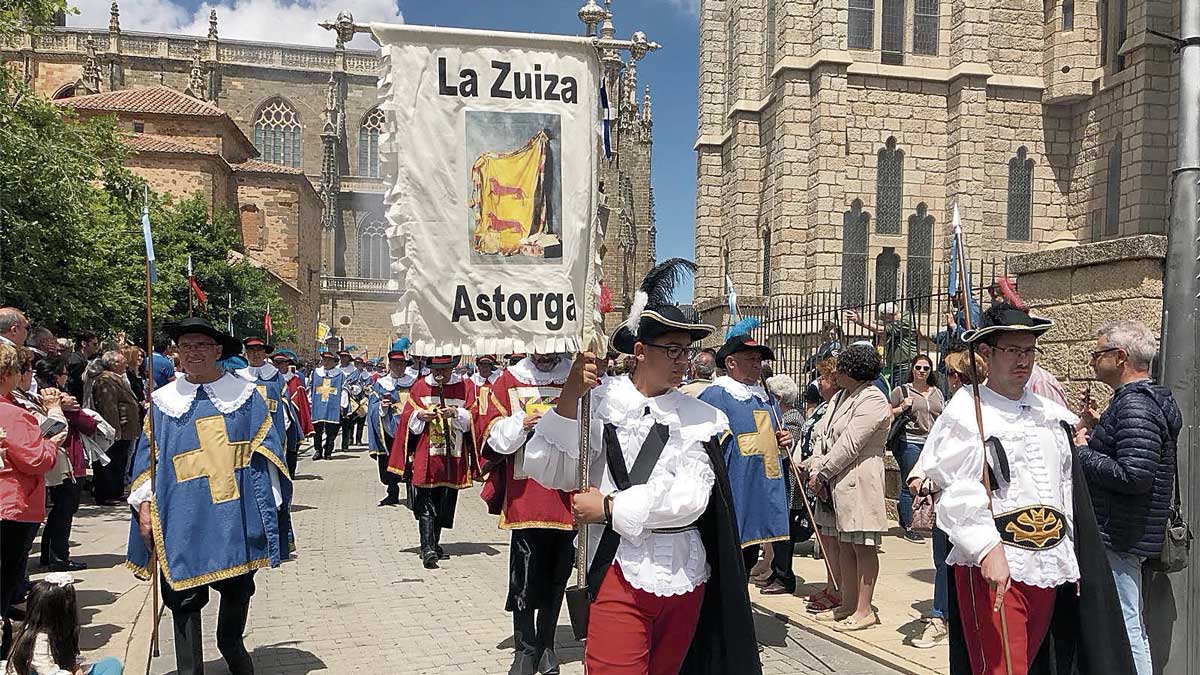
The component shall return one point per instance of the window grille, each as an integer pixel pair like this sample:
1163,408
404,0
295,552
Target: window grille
1112,191
919,274
860,28
891,33
1020,196
925,27
277,134
374,252
889,188
368,143
855,232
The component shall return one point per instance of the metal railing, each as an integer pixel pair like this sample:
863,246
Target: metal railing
355,285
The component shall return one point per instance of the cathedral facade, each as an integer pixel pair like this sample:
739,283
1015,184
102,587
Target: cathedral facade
835,137
314,112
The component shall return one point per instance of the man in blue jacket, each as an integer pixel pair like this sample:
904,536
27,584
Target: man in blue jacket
1129,462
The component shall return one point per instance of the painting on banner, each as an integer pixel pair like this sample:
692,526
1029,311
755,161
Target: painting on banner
491,155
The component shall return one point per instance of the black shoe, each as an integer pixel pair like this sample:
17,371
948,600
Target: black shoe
430,560
777,587
389,501
441,553
523,664
913,537
548,664
68,566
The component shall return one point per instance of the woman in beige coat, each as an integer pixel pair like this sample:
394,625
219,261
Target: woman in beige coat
848,457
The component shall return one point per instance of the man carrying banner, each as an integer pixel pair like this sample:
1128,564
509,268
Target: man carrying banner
285,361
1027,556
329,402
215,427
436,452
543,530
751,450
388,397
666,582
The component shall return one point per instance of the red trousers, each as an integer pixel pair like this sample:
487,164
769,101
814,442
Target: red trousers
632,632
1027,610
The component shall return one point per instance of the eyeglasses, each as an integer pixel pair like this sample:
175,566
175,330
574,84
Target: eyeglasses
1101,352
1017,352
674,352
196,346
922,369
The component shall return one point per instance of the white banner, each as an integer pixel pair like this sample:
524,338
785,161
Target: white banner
491,152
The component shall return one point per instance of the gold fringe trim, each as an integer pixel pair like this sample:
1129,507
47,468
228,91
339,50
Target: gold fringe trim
764,540
533,524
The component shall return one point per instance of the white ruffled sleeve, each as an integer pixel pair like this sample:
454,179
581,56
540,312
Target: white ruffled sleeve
672,498
552,453
508,433
952,459
462,419
416,425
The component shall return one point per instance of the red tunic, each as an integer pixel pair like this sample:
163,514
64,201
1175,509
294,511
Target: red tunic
433,464
523,503
299,398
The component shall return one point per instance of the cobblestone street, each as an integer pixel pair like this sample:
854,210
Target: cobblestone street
356,599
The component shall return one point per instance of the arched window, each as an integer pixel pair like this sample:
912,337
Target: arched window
919,275
277,133
65,91
374,253
766,262
368,143
855,230
889,188
1020,196
887,272
1112,191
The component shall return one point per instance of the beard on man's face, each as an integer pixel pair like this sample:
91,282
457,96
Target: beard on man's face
545,362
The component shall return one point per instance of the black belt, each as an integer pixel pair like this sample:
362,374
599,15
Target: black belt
676,530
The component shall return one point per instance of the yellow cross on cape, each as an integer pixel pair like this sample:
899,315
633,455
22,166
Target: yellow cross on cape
325,390
762,441
217,459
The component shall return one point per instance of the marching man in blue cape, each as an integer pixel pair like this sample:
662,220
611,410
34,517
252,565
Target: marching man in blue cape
753,442
217,508
329,402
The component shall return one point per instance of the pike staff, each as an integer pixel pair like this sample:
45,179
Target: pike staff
151,277
965,292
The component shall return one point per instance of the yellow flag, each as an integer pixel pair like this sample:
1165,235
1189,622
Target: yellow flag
508,199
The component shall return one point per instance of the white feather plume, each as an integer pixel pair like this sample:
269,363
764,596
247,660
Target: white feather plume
640,299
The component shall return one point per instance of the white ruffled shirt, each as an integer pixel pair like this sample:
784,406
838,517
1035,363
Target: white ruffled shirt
481,381
1039,457
676,494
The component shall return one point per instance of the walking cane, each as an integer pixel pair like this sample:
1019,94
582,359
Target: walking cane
987,484
578,602
803,493
153,473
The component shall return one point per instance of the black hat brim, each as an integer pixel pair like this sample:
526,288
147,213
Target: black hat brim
230,346
655,322
730,349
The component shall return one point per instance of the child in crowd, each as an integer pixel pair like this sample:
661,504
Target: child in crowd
48,642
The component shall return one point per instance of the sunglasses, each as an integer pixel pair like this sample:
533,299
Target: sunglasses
922,369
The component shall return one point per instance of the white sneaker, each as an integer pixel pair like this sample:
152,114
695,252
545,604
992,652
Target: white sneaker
935,634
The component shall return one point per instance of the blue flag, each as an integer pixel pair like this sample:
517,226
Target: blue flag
146,234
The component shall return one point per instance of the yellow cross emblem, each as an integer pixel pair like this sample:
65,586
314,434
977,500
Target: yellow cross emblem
325,390
398,406
217,459
272,404
762,442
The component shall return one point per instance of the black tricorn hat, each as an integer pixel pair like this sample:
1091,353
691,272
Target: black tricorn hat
742,343
655,322
259,342
1007,319
443,361
230,346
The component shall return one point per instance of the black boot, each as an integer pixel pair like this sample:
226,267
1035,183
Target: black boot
437,544
231,626
525,651
547,626
429,556
189,645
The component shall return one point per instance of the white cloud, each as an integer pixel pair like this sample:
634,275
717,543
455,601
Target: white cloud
689,7
285,21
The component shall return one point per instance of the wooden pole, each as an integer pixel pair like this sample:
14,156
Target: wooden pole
153,469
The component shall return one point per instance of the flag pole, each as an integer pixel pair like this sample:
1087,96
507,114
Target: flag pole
190,307
965,288
150,278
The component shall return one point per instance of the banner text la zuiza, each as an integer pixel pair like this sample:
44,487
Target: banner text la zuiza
507,83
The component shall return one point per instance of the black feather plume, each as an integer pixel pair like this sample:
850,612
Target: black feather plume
660,282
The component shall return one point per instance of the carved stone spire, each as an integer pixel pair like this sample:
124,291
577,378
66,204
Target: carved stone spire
89,80
212,25
647,113
196,75
114,18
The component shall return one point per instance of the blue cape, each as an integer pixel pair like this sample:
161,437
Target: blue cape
326,406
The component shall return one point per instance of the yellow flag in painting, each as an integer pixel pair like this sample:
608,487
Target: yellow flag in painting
507,199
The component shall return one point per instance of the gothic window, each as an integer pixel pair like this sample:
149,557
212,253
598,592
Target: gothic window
374,253
730,60
889,188
769,47
919,276
1068,14
1112,191
1020,196
887,269
925,27
860,28
368,143
855,230
766,262
891,33
277,133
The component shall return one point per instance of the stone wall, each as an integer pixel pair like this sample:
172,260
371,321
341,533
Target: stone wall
364,320
1081,288
183,176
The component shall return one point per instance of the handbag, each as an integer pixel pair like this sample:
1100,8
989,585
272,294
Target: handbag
924,515
1177,543
896,437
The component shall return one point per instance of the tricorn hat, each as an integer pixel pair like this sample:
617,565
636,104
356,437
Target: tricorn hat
258,342
654,313
230,345
1006,318
443,361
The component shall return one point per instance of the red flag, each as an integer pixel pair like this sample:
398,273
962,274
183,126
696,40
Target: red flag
267,322
606,304
200,296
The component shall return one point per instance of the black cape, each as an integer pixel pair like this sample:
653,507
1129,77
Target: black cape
724,642
1101,647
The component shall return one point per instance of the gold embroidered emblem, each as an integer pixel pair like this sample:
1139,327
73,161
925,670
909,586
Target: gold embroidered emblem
762,442
217,459
1034,528
325,390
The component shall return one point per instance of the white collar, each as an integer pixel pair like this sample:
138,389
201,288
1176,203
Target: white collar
266,371
412,372
389,382
741,392
321,372
347,369
287,377
228,394
524,371
479,379
455,378
688,418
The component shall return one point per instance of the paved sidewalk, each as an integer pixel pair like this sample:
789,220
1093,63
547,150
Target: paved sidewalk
903,593
356,599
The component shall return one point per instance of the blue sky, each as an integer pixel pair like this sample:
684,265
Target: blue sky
670,72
